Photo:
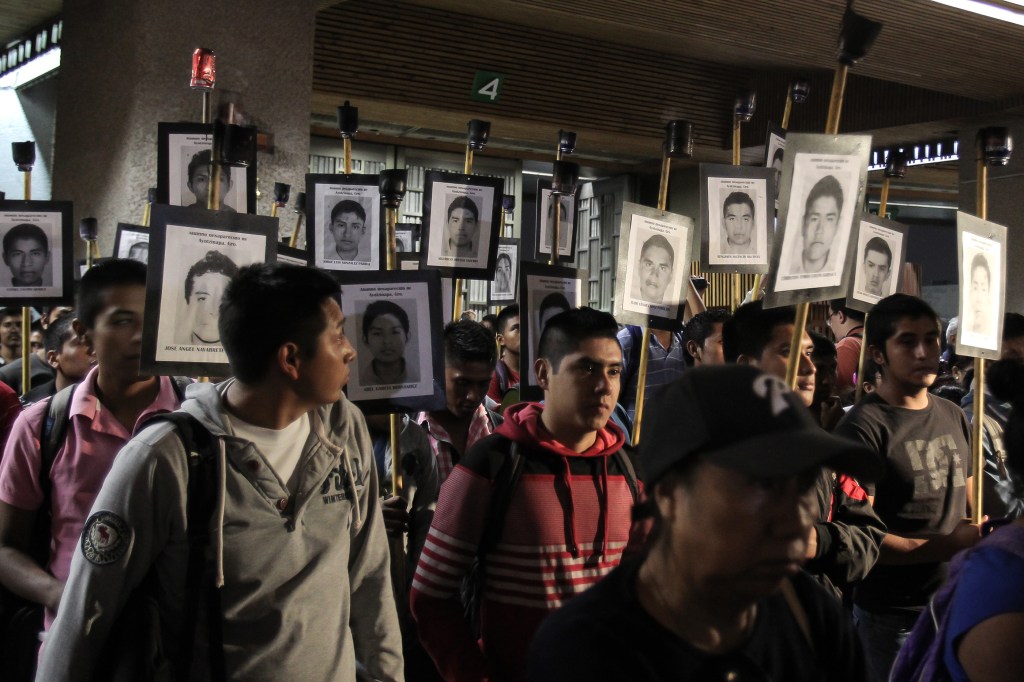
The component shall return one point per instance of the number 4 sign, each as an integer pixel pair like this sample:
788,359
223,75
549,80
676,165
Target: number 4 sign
487,86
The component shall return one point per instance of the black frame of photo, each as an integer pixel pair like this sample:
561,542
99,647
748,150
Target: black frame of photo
119,235
544,183
67,266
721,171
314,217
896,267
460,272
163,162
511,298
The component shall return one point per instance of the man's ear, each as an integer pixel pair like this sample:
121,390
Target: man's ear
82,332
288,361
542,368
877,355
51,359
693,348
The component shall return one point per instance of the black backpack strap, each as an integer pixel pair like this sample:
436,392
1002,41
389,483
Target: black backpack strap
52,432
201,448
508,476
626,463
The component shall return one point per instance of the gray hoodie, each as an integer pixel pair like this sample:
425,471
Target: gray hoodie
306,585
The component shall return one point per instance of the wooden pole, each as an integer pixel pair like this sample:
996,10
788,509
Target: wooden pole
347,145
26,314
978,424
457,297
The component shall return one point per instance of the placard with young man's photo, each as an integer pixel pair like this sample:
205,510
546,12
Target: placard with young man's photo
184,153
544,291
981,254
37,249
546,202
132,241
876,261
461,218
737,218
344,221
653,266
393,318
823,183
503,288
193,256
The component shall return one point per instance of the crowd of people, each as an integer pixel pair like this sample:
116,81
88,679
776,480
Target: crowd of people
246,528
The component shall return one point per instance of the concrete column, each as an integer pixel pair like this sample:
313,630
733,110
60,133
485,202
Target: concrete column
1005,200
125,67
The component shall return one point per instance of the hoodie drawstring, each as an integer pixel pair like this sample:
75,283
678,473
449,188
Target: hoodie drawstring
574,548
222,487
605,512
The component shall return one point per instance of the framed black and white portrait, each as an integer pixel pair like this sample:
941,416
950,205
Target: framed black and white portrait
393,318
822,193
981,255
461,218
502,289
194,254
737,218
876,261
546,202
344,221
38,253
132,241
775,148
653,265
411,261
183,171
544,291
407,237
292,255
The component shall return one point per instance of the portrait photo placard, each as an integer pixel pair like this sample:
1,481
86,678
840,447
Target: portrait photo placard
876,261
193,256
775,148
545,223
737,218
653,266
344,221
393,318
461,218
38,253
981,255
132,241
544,291
823,182
502,289
407,237
183,170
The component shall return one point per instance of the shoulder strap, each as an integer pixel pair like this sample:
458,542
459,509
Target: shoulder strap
508,476
180,384
54,429
502,371
797,609
626,463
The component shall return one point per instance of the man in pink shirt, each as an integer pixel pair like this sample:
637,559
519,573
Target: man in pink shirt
105,409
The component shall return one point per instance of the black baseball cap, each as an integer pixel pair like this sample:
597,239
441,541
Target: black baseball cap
744,419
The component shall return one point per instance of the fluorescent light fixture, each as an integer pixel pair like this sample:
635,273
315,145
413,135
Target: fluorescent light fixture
996,9
32,70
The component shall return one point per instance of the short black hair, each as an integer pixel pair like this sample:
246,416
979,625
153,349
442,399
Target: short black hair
348,206
202,158
738,198
504,256
839,305
827,186
555,299
505,316
107,274
378,308
213,261
1013,326
291,295
749,330
660,242
491,319
566,331
702,325
59,331
879,245
823,346
468,341
25,231
466,203
888,312
979,261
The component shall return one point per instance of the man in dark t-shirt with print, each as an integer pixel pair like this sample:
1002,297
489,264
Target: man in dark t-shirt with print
922,496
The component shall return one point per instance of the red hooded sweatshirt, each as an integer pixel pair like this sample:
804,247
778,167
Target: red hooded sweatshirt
567,526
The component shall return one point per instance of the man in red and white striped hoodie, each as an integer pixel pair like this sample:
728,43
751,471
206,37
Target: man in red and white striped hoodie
549,530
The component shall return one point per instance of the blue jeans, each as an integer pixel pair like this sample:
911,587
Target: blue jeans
882,635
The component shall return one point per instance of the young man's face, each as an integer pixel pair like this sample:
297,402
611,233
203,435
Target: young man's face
73,360
504,268
386,338
10,331
711,352
462,228
775,357
819,229
465,385
979,289
27,258
655,273
348,230
322,377
199,184
116,337
583,390
876,272
911,361
739,223
736,538
204,306
509,337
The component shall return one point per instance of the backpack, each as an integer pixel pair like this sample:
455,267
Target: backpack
504,484
921,657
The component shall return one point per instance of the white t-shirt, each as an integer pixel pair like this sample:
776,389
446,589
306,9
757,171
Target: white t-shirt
281,447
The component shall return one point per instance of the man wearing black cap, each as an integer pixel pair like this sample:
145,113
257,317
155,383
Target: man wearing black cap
719,595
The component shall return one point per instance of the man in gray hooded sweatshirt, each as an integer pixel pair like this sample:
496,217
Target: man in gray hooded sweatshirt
297,539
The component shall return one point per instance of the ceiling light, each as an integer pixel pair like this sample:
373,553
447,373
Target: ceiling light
995,9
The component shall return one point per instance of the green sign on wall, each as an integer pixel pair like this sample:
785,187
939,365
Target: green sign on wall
487,86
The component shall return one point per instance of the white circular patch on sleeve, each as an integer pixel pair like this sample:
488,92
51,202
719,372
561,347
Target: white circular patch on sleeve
106,538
